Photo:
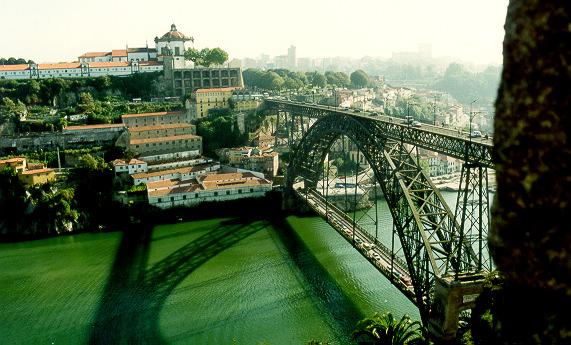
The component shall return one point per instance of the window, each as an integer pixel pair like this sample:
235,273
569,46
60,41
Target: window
172,198
159,200
251,190
227,192
239,191
215,193
196,195
184,197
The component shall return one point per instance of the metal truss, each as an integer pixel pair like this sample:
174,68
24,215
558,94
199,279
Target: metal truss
431,138
426,227
472,208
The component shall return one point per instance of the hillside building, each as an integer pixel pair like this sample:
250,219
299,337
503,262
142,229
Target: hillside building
16,163
161,132
209,187
131,167
202,100
264,160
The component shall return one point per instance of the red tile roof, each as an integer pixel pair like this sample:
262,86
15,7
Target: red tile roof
175,190
183,170
150,63
20,67
61,65
219,89
94,54
161,113
87,127
104,64
37,171
161,139
157,127
13,160
119,52
133,161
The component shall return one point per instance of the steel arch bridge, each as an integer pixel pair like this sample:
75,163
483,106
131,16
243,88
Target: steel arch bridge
441,248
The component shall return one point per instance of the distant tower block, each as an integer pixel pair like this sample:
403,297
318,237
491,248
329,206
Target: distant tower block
291,57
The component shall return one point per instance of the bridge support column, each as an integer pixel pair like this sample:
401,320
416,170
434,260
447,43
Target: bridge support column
450,298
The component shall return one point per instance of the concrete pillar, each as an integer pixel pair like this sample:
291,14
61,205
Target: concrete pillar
450,298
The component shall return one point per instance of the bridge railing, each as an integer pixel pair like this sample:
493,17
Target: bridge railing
401,264
446,141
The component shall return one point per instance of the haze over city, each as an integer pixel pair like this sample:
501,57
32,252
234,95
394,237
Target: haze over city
61,31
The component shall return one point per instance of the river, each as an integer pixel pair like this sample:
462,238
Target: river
219,281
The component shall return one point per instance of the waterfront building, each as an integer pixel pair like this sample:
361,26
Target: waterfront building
180,173
209,187
189,159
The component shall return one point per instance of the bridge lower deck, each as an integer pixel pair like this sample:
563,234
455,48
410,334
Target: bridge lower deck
395,269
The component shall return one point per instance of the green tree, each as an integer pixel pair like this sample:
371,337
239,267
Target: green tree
86,104
194,55
252,77
360,79
206,57
337,78
93,179
216,56
386,330
272,81
12,201
319,80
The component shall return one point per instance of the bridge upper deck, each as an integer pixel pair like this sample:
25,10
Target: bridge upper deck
451,142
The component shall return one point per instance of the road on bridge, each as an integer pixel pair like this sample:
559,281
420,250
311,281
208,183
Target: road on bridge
445,131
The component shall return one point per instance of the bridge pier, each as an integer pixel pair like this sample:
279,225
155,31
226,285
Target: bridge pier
450,298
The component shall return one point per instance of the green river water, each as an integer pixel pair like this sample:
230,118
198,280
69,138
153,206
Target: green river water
220,281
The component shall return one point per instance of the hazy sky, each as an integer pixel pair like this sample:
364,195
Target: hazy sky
61,30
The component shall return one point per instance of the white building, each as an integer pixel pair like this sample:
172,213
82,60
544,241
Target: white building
183,174
77,69
131,167
172,42
210,187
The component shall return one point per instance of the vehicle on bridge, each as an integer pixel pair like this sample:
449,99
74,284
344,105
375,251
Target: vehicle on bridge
475,134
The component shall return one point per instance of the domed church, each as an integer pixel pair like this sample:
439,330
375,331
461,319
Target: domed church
172,42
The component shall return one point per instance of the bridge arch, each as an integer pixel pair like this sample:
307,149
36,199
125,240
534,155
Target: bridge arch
424,223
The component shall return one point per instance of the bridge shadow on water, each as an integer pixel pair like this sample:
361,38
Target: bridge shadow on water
323,288
134,295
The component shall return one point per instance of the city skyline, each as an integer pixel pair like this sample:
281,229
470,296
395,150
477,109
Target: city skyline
63,31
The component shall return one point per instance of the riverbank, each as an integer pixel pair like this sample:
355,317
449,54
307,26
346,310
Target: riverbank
122,217
451,182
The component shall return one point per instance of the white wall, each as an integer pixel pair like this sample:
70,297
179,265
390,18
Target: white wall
194,198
